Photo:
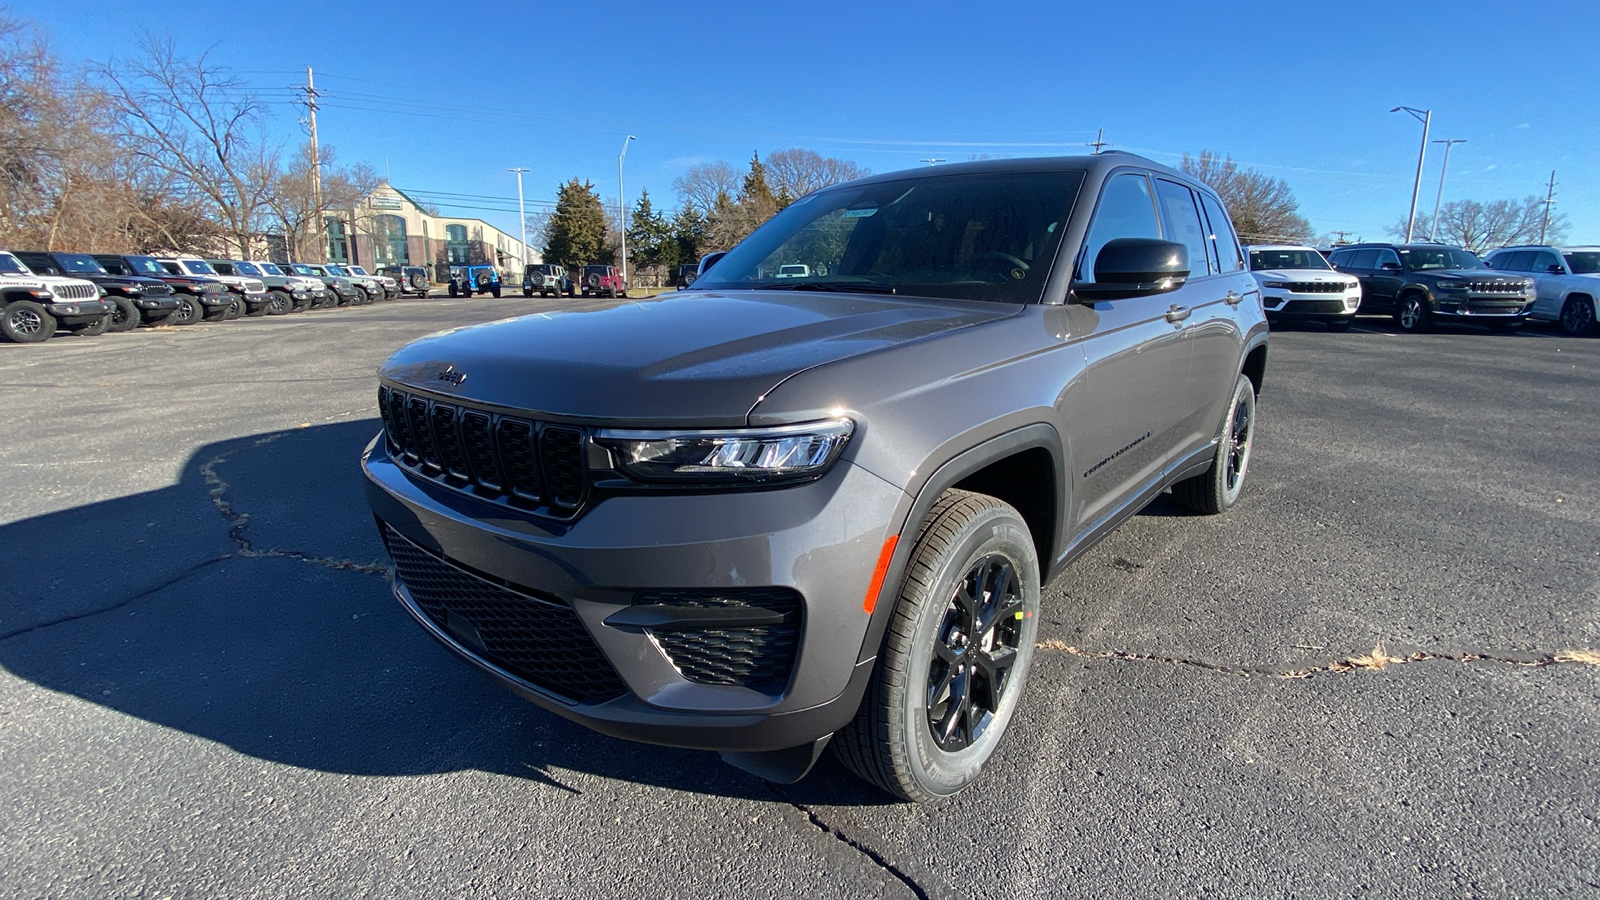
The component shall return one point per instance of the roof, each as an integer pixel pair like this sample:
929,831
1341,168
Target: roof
1248,247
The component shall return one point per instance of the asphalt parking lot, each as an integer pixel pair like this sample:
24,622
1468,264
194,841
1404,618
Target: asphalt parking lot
1375,676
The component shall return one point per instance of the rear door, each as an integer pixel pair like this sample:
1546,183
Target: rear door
1546,283
1385,284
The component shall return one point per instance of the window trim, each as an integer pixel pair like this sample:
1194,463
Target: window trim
1200,220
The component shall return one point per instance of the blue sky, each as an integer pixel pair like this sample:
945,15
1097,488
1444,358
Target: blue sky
447,98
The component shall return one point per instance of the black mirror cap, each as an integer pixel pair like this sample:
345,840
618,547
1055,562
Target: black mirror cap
1136,267
1391,267
1555,269
711,260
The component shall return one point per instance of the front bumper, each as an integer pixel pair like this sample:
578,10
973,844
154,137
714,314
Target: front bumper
214,299
1289,305
820,539
75,310
1484,307
162,304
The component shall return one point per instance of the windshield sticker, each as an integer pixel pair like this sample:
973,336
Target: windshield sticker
857,213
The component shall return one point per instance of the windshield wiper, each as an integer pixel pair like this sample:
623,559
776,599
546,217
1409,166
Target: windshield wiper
838,287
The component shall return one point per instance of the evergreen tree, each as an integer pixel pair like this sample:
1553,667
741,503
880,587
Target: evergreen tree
689,232
650,238
755,195
576,233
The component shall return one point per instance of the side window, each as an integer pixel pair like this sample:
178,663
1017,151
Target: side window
1365,260
1184,215
1515,261
1386,255
1222,236
1126,210
1542,261
1339,259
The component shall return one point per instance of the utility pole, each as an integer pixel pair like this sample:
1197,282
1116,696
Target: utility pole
316,172
522,214
1549,198
622,212
1099,142
1340,235
1433,227
1425,116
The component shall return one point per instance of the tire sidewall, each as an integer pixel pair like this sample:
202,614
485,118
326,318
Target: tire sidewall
1000,532
1243,393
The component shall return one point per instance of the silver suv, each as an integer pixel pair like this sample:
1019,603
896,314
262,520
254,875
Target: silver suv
1567,280
767,513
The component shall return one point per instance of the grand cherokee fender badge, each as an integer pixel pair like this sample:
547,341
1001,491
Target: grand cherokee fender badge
1129,446
451,375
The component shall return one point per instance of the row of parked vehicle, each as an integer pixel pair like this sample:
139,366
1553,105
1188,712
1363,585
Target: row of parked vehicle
92,293
1422,284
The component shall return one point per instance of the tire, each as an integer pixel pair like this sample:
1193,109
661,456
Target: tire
161,319
612,292
189,311
1412,314
1218,487
93,329
1577,316
27,322
1340,324
124,315
260,309
593,283
571,292
496,292
279,303
362,298
966,540
528,293
234,309
215,313
302,305
453,291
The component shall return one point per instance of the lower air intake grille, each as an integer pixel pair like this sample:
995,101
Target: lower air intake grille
538,639
759,657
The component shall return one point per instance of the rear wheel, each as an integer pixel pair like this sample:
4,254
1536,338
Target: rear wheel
1577,316
1216,489
27,322
955,658
124,315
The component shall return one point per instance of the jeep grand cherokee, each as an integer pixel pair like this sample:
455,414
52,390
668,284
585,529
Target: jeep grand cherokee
773,511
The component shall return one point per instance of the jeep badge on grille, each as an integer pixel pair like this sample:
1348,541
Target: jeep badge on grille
451,375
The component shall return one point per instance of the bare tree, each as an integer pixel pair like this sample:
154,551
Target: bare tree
293,206
1480,227
1263,208
797,172
700,184
202,126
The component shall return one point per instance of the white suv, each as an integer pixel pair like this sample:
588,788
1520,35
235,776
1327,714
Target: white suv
1297,284
1567,280
33,306
250,294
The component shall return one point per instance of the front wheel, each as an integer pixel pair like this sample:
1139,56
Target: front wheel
279,303
1413,315
27,322
495,291
1216,489
1577,316
955,658
93,329
189,311
124,315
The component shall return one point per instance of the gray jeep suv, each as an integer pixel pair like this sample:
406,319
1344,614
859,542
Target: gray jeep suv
767,512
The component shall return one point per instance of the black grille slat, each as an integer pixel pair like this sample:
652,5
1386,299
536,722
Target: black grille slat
535,638
477,438
562,449
452,456
499,458
1314,306
1317,287
515,440
759,657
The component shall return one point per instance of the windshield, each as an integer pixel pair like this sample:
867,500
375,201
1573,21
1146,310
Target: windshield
300,269
355,270
146,265
1423,258
1286,259
1586,262
333,270
268,268
244,268
196,267
964,237
10,265
81,263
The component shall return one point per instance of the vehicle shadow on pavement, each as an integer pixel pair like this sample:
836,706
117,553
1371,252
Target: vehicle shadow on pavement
281,642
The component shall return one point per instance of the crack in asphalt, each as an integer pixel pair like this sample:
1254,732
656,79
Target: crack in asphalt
1376,660
861,847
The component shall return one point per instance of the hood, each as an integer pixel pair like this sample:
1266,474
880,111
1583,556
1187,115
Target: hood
1490,275
687,359
34,280
1313,275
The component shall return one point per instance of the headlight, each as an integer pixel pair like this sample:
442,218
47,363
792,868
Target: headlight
1280,285
732,456
1451,286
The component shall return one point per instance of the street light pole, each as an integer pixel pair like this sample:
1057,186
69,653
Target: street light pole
1433,227
1425,116
622,211
522,215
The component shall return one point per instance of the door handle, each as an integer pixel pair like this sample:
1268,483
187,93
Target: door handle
1233,298
1177,313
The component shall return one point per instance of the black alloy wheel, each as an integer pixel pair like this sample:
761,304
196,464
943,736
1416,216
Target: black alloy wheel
189,311
974,651
279,303
1577,316
1216,489
124,315
27,322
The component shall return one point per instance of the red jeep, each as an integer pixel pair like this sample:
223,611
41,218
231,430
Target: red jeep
602,280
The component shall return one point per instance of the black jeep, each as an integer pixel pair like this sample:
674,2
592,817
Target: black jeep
1422,283
138,299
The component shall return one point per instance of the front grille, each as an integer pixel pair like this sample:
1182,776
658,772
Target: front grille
75,291
1314,306
1318,287
536,638
759,657
255,287
159,289
1494,307
519,462
1495,287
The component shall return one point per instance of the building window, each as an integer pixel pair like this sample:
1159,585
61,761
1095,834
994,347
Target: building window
390,246
456,244
338,240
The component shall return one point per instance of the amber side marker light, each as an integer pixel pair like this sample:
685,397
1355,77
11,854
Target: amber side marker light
884,558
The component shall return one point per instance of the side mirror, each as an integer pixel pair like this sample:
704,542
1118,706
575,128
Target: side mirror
710,260
1555,269
1390,267
1136,267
